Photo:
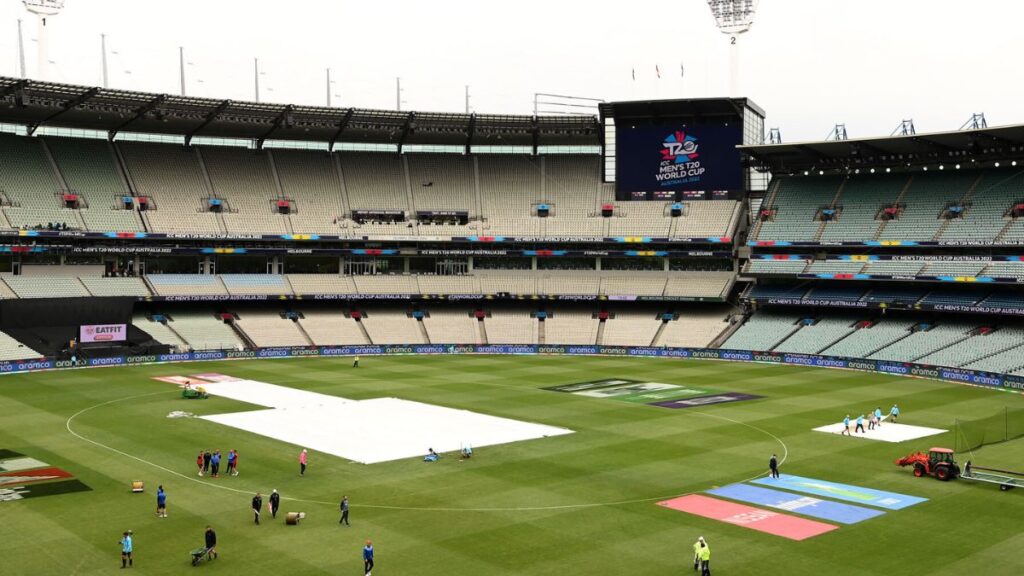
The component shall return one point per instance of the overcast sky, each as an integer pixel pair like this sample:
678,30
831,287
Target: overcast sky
809,63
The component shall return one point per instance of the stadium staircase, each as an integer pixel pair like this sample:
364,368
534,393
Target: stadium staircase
600,331
941,348
788,335
768,202
423,330
482,331
280,191
169,321
832,204
657,335
302,330
734,324
1002,233
897,202
846,335
210,191
965,202
362,329
249,343
129,184
887,344
346,205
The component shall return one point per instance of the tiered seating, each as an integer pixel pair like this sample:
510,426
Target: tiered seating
699,284
639,219
89,168
374,181
834,267
762,331
27,181
796,205
330,327
891,294
962,297
765,291
706,219
310,181
953,268
115,286
309,284
451,327
559,226
976,348
5,291
391,327
923,342
818,336
509,187
988,202
861,200
202,330
268,329
172,177
634,285
928,194
186,285
631,329
45,286
1003,299
442,182
694,329
386,284
245,180
894,267
836,293
570,327
570,284
1004,270
571,184
511,326
448,285
864,341
776,266
12,349
498,282
1009,361
269,284
159,331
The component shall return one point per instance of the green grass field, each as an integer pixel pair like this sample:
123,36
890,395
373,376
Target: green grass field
577,504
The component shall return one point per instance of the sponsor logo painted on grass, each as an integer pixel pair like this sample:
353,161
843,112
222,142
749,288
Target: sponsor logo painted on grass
723,398
25,477
846,492
813,507
766,521
630,390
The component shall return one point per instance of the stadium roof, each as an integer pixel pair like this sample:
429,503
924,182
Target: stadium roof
999,143
35,103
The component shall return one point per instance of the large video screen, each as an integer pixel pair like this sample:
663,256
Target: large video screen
673,157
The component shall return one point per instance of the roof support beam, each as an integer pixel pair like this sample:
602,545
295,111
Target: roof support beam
209,118
67,106
535,128
285,113
405,130
470,132
139,113
342,124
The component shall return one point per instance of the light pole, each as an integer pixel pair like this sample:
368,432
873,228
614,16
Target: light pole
21,50
103,48
42,9
733,17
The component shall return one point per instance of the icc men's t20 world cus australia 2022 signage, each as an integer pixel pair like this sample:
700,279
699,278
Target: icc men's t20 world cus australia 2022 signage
672,156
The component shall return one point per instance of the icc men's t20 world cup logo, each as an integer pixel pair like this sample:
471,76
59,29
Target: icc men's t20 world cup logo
679,164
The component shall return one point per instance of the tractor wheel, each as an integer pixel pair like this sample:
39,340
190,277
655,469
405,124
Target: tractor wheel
943,473
918,470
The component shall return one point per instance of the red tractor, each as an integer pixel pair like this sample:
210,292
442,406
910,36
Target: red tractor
938,462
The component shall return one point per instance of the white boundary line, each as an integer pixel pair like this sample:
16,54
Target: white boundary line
67,424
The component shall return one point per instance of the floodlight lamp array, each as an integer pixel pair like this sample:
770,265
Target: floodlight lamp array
733,16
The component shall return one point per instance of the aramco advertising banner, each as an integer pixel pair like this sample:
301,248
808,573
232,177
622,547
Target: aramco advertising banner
677,156
103,333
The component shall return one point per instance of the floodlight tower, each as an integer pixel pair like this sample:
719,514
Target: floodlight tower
733,17
43,9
